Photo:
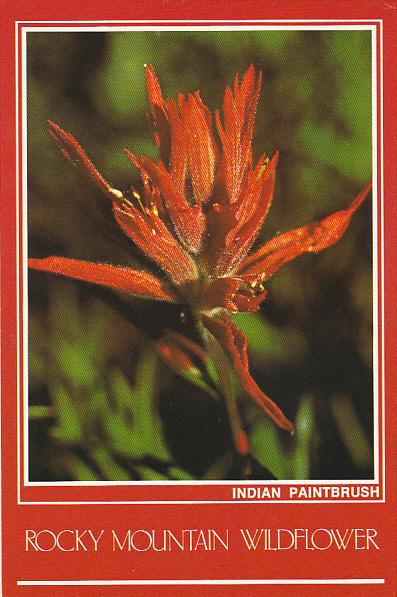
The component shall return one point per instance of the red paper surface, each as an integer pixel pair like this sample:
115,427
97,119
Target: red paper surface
307,561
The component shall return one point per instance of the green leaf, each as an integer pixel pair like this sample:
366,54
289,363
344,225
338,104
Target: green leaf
109,468
68,428
41,412
142,434
351,431
149,474
269,342
195,377
179,474
80,470
301,457
291,460
220,468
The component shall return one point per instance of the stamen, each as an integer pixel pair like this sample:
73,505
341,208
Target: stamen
127,203
263,167
116,193
137,196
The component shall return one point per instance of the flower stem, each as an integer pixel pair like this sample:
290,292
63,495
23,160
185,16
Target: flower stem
225,383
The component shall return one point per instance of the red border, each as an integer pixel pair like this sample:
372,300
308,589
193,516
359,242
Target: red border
237,563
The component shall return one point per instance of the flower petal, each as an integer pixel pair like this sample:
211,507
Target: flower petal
248,298
120,278
153,238
179,149
73,151
179,352
184,138
188,221
159,122
220,293
309,239
233,293
235,227
234,343
201,146
236,134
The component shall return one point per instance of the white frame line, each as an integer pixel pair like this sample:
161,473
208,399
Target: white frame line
195,502
206,21
191,582
239,27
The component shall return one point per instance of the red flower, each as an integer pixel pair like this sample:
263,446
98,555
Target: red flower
198,214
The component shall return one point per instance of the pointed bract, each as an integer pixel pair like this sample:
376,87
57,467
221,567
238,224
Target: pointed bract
239,110
76,154
201,148
235,343
159,119
309,239
180,353
151,235
236,232
134,282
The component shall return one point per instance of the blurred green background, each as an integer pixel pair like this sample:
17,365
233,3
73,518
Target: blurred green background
102,404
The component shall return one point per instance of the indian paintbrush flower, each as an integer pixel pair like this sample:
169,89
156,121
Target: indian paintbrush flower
197,216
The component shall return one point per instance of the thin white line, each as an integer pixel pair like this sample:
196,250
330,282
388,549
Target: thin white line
17,219
241,26
24,289
137,21
102,28
382,258
194,502
375,256
258,483
236,581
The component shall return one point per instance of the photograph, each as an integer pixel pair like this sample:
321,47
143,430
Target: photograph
201,254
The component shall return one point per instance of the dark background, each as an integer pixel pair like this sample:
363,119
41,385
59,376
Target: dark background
102,406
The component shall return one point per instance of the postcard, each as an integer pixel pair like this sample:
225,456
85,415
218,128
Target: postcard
198,333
